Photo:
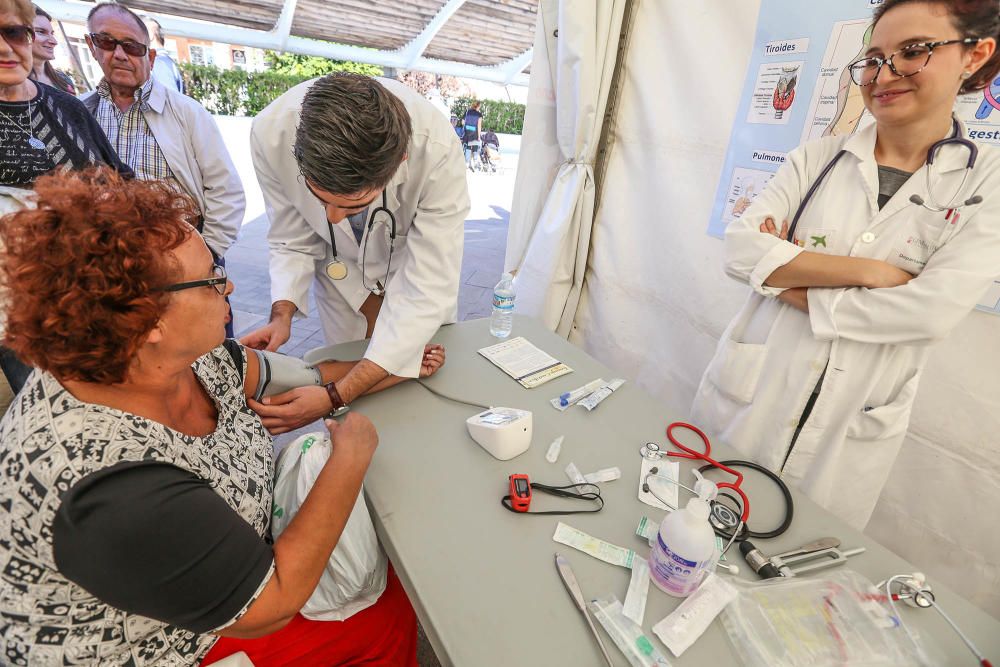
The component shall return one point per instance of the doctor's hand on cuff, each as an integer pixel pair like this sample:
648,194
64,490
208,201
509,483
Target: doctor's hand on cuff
276,332
292,409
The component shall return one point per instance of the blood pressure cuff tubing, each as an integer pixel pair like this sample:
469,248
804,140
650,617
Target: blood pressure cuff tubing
279,373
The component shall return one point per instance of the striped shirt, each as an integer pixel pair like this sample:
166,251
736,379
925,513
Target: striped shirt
130,135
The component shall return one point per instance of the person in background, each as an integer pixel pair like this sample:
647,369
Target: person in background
159,132
43,128
490,139
491,149
165,70
136,485
43,50
473,124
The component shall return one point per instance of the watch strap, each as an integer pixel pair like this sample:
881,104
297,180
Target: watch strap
335,399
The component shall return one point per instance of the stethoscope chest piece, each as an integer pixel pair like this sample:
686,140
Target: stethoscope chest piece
336,270
651,452
723,518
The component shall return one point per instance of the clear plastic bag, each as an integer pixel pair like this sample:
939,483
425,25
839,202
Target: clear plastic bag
837,620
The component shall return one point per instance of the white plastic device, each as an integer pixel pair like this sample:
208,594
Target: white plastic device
503,432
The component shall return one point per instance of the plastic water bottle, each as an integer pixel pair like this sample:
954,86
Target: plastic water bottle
684,549
502,319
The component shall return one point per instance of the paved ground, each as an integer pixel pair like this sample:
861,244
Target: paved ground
482,264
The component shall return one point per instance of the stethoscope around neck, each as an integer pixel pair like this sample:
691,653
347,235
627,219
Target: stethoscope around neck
336,268
956,138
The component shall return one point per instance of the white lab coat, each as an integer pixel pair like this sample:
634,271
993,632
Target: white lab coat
872,343
429,197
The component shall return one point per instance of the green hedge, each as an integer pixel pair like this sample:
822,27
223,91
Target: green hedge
501,117
235,92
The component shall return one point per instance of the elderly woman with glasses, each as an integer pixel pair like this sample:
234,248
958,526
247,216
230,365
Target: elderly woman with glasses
41,128
135,481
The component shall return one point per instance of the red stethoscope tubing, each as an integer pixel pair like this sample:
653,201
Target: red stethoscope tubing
706,456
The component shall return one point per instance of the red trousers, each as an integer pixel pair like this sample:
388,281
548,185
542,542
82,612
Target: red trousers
383,634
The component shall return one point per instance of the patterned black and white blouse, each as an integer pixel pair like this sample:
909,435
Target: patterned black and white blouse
109,520
53,129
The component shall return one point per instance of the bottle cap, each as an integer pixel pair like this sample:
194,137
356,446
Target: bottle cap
705,489
699,509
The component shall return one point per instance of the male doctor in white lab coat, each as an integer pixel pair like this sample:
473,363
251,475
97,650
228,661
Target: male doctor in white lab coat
328,153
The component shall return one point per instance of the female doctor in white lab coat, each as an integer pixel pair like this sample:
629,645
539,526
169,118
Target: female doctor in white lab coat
816,376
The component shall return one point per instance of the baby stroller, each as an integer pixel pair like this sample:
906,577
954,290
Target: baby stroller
489,156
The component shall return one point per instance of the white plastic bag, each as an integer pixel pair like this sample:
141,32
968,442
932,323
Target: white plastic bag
354,577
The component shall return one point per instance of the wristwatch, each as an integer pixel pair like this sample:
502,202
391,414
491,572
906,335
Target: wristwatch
339,406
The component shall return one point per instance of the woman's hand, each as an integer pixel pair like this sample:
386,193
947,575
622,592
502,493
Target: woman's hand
433,360
878,274
796,297
355,436
768,227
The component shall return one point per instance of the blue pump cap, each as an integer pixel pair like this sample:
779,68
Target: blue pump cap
564,399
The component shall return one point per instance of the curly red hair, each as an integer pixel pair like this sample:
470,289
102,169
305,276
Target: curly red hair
81,269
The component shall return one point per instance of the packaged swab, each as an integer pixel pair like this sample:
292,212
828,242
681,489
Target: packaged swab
627,634
682,628
594,399
569,398
603,475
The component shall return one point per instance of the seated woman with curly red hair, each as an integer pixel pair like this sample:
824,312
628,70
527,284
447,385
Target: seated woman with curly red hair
135,482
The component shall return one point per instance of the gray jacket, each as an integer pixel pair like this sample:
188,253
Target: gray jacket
193,147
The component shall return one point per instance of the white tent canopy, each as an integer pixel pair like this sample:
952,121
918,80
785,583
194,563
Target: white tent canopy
652,300
479,39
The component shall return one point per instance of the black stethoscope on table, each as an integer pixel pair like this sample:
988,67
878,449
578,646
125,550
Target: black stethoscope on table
336,269
956,138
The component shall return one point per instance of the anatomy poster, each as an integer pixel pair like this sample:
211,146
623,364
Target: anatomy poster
797,89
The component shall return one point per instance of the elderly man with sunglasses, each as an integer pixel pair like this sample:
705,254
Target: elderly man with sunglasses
159,132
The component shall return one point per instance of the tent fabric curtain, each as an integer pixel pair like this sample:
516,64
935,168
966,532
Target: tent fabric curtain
656,299
576,46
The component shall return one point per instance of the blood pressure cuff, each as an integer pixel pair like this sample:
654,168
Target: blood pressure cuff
279,373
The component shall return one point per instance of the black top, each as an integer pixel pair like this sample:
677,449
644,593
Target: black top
471,125
153,539
71,137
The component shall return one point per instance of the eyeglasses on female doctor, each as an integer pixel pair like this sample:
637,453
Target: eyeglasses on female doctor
907,61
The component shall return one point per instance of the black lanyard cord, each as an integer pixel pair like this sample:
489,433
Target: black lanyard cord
578,493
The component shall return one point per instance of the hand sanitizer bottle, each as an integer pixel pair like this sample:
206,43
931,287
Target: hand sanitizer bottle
685,545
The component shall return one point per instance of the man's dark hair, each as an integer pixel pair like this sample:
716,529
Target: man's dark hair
352,134
121,9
